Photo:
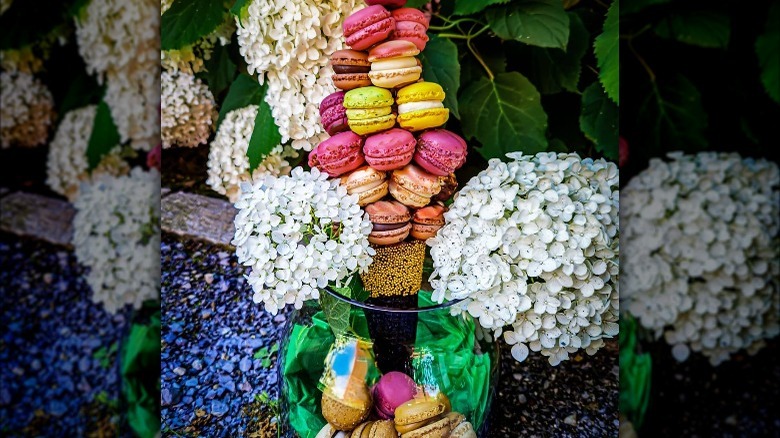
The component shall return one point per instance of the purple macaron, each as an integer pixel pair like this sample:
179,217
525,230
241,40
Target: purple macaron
333,114
392,390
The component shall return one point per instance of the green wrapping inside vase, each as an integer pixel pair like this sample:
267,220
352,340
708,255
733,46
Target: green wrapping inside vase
445,356
141,378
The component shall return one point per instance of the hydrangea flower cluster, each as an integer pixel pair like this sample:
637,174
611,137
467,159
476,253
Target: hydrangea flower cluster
228,164
27,110
297,234
289,44
703,259
118,44
188,110
67,161
534,243
117,236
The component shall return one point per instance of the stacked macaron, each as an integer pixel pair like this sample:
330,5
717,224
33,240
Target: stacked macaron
387,143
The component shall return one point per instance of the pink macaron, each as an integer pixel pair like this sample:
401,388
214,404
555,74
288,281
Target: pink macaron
368,26
440,152
411,25
392,390
333,114
389,150
339,154
389,4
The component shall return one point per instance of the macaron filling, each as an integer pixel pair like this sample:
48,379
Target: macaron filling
419,106
394,63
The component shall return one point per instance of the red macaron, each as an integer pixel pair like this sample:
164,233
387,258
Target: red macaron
411,25
440,152
389,150
333,115
339,154
368,26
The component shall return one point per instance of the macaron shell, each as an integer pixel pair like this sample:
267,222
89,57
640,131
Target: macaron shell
424,232
410,14
415,33
372,34
392,390
333,114
388,212
440,152
364,176
368,97
455,419
374,194
390,163
424,119
463,430
370,126
449,184
420,91
417,180
327,431
389,237
395,78
350,58
368,113
393,49
383,429
406,197
338,154
343,416
359,429
350,81
437,429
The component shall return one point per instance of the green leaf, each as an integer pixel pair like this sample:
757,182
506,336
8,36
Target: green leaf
417,4
674,116
555,70
702,28
220,70
599,121
75,9
768,51
244,91
103,138
274,348
608,54
558,145
468,7
239,9
83,90
187,21
542,23
634,6
265,135
336,312
504,114
440,64
266,363
261,353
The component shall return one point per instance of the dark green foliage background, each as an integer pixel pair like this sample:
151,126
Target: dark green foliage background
707,74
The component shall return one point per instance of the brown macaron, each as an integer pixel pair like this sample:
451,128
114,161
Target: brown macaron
427,221
362,428
390,220
368,183
417,414
383,429
438,429
449,184
343,415
350,69
413,186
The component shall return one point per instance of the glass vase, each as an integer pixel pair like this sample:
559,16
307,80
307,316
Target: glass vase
439,351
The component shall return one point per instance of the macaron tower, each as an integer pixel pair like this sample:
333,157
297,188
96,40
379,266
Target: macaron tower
389,148
406,156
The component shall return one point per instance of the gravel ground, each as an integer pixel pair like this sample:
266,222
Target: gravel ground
58,370
694,399
210,380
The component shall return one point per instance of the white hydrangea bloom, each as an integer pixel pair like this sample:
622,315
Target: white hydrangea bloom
27,110
288,44
701,261
188,110
66,163
119,42
297,234
228,163
534,243
117,236
165,5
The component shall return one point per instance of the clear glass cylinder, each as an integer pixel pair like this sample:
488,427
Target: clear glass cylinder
439,351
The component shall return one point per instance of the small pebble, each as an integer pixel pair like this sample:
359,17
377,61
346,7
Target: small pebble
571,420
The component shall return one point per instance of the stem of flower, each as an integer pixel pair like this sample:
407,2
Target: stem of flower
452,23
479,58
455,36
468,39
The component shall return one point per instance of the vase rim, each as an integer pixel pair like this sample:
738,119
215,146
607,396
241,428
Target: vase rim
376,307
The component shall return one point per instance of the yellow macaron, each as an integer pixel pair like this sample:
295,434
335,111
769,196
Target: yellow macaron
369,110
420,106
